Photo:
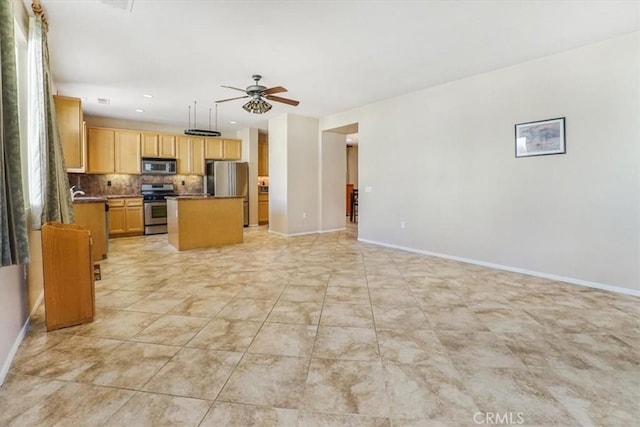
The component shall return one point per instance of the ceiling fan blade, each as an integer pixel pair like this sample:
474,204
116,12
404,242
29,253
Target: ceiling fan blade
232,99
283,100
275,89
234,88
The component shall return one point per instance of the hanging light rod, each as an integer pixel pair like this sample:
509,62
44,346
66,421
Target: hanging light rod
199,132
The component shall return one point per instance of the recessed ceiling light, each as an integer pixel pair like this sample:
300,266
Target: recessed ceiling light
146,95
140,111
233,122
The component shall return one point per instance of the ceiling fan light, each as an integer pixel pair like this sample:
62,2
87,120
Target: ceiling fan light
257,106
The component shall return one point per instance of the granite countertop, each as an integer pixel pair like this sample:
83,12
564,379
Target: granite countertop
203,197
90,200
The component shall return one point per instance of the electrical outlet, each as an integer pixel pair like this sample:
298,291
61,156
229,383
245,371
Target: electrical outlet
108,183
402,224
304,215
182,182
368,189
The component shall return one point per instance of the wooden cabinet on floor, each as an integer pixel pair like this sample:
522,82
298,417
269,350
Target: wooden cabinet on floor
126,217
71,129
69,293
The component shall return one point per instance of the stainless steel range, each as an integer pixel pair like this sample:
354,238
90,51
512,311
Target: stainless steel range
155,207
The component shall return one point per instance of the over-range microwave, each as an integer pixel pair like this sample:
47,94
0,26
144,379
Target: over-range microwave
158,166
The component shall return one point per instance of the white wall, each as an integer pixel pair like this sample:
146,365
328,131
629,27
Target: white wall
334,180
13,314
278,164
249,139
294,186
442,160
303,175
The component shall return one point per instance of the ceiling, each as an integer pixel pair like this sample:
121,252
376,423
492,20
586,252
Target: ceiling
330,55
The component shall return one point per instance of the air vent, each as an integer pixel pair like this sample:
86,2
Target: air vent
126,5
104,101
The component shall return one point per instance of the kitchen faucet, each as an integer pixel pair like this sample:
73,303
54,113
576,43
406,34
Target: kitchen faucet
75,193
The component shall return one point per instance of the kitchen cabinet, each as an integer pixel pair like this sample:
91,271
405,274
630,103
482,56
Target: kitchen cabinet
190,155
100,150
263,158
126,217
71,130
158,145
213,148
232,149
225,149
263,209
67,267
92,215
149,144
113,151
127,152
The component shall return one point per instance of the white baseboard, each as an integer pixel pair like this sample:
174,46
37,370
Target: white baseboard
304,233
332,230
16,344
571,280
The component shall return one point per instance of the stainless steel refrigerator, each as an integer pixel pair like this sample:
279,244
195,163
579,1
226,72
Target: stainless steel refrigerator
228,179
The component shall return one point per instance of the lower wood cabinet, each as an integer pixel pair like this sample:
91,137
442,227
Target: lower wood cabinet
263,209
67,266
93,216
126,217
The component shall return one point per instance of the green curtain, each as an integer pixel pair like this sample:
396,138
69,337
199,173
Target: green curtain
57,204
14,242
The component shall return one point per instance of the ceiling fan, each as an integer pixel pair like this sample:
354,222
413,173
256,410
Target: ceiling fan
257,93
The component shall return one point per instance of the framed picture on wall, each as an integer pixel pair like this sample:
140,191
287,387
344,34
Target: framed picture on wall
540,138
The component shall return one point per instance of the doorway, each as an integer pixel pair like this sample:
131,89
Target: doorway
340,160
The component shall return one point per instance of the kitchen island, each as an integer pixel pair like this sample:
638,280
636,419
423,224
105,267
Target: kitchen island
204,221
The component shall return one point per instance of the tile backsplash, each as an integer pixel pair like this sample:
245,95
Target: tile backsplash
97,185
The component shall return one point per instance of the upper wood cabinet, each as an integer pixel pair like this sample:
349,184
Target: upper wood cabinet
213,148
263,158
70,127
113,151
232,149
167,146
158,145
149,145
127,152
190,155
197,156
100,150
225,149
121,150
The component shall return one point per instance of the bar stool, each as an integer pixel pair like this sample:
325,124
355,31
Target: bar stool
354,206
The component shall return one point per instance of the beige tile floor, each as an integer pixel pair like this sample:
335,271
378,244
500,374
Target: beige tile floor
322,330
